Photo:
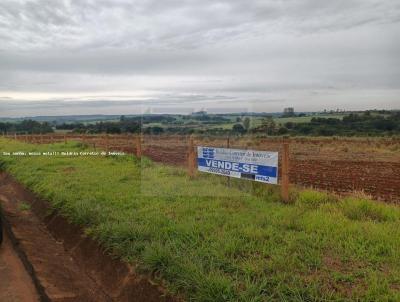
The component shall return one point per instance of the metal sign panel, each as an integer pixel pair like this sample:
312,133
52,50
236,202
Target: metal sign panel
259,166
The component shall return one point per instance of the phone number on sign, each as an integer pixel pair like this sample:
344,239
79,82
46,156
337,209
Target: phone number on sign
219,171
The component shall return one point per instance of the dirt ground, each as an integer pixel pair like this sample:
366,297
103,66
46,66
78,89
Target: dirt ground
59,276
68,265
338,165
15,283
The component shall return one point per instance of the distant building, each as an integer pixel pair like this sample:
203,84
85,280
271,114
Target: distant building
199,113
289,111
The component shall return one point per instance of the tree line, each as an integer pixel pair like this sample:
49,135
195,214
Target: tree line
354,124
26,127
366,124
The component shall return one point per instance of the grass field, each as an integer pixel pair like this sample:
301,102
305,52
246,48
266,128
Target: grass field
254,121
210,242
281,121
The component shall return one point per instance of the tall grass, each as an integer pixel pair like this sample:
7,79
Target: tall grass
210,242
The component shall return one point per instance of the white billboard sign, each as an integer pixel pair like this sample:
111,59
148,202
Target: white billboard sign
259,166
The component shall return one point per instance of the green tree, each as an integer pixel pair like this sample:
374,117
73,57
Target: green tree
246,123
238,128
268,125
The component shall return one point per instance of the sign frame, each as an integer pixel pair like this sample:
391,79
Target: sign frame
255,165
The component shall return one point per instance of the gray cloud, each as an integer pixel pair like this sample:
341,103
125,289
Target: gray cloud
252,51
175,24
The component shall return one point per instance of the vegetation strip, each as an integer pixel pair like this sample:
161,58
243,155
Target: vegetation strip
367,123
209,242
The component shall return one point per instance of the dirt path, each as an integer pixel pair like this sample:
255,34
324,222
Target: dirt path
15,283
65,264
59,277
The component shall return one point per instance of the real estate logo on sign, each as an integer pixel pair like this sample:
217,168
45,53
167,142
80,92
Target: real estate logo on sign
259,166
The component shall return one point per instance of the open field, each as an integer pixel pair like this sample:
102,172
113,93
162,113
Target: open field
209,242
255,121
342,165
339,165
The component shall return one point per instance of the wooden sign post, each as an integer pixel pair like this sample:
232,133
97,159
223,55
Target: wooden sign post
191,158
107,144
285,173
139,146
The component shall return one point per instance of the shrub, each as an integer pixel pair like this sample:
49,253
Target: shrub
364,209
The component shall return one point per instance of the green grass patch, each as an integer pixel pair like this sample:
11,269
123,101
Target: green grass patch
211,242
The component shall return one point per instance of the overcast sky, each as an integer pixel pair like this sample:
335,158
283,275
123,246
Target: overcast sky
118,57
